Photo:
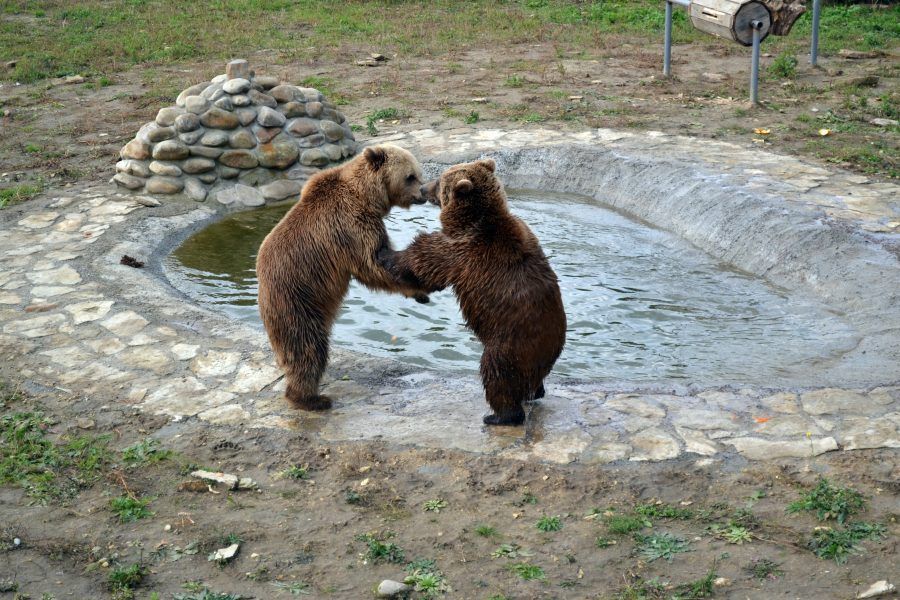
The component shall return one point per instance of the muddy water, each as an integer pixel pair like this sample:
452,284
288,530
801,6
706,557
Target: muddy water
642,304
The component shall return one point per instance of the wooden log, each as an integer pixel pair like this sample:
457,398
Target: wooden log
784,14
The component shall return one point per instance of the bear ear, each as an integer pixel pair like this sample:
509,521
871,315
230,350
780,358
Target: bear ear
376,157
488,163
463,186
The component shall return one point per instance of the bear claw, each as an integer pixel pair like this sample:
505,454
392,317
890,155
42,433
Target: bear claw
311,403
513,419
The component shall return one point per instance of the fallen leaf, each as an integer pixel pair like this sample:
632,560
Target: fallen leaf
762,419
761,131
824,132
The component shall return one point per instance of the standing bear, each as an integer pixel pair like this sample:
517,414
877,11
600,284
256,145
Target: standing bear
508,294
333,233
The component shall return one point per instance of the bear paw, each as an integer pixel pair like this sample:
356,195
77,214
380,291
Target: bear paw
516,418
311,403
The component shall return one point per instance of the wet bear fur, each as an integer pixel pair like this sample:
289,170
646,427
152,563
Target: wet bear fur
507,291
304,265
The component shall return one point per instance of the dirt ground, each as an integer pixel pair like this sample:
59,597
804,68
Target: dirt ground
300,536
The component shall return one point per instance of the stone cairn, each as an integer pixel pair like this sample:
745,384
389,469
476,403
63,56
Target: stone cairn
239,139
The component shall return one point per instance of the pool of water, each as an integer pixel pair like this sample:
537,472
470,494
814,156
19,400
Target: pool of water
642,304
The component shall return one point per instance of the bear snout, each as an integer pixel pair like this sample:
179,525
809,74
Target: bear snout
429,192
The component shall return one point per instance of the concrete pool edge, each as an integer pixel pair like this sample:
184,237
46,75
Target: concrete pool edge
124,333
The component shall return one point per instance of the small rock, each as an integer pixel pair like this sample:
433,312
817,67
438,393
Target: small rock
161,134
196,104
314,109
268,117
266,82
884,122
164,185
239,159
191,137
294,109
225,103
879,588
265,134
389,588
84,423
303,127
281,189
332,131
241,100
284,93
225,478
236,86
314,158
260,99
311,141
187,122
714,77
242,138
170,150
165,169
216,118
130,261
214,138
128,181
136,149
246,115
221,78
241,195
237,69
722,582
224,555
205,151
73,79
194,189
279,154
198,165
191,91
166,116
133,167
227,172
368,62
213,92
146,201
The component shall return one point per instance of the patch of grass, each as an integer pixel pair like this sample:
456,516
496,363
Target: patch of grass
763,568
840,544
296,472
651,589
383,114
623,524
701,588
548,524
528,498
144,453
379,550
486,531
514,81
435,505
784,66
18,194
602,542
829,502
130,509
127,578
662,511
471,118
527,571
352,497
296,588
659,545
425,578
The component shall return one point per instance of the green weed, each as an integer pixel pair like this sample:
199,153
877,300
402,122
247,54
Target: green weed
130,509
548,524
426,578
144,453
763,568
380,115
659,545
784,66
296,472
622,524
829,502
510,551
514,81
435,505
295,588
127,578
527,571
701,588
486,531
840,544
662,511
378,549
206,594
18,194
471,118
528,498
602,542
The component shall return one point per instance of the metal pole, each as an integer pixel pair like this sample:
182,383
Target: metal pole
814,49
667,57
754,66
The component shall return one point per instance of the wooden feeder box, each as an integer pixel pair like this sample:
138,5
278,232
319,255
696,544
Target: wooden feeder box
731,19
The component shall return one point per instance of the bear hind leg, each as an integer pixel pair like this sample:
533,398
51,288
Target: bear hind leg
504,392
303,377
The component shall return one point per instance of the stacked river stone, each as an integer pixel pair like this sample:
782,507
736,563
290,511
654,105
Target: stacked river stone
240,139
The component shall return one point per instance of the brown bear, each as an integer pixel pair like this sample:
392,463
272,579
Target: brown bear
508,294
333,233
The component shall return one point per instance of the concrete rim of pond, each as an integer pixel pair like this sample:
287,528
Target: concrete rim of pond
126,334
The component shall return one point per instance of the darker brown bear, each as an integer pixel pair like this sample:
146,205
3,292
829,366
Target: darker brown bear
508,294
305,264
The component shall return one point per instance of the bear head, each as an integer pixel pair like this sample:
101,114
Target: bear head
399,173
468,194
